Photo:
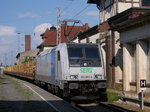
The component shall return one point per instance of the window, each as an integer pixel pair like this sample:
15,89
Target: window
145,3
58,56
92,53
75,53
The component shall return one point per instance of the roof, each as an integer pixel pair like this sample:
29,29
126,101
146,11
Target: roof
93,1
102,27
139,21
49,37
67,33
127,18
92,31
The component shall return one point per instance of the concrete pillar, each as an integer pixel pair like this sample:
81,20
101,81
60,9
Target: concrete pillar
141,62
126,67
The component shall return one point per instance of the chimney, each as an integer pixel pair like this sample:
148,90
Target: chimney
86,26
27,42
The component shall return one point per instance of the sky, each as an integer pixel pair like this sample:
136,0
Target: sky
32,17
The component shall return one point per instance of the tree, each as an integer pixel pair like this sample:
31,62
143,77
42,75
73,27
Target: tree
28,59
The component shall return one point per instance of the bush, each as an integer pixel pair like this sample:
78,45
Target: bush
27,59
111,95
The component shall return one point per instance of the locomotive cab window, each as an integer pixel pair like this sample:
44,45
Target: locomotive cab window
145,3
92,53
75,53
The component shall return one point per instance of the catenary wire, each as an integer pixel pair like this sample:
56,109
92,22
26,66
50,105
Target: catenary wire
80,11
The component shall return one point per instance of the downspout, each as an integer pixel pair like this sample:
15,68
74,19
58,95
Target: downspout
117,6
113,59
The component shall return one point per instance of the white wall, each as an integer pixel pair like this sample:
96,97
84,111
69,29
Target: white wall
83,41
139,51
107,12
93,38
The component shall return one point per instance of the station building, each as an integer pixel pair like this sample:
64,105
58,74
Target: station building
134,30
110,39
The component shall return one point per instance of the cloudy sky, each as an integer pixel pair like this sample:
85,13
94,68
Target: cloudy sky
21,17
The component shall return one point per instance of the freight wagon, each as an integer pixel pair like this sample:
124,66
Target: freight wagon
25,70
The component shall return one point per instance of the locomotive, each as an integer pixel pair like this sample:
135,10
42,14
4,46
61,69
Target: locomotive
68,70
72,69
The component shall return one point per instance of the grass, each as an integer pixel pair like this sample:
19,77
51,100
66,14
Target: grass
2,76
26,93
2,79
112,96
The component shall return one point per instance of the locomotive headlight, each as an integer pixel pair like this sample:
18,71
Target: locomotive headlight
98,76
73,76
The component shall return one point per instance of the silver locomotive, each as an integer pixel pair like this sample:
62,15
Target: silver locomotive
72,69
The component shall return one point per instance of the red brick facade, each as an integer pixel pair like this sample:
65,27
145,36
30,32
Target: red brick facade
67,33
27,42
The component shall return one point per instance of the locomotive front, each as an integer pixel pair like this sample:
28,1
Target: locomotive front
86,69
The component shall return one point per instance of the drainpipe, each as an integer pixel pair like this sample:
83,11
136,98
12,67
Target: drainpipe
113,58
117,7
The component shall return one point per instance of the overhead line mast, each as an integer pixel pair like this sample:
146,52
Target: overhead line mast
65,21
58,26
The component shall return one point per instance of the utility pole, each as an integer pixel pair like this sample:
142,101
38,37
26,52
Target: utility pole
18,42
5,59
58,26
59,22
11,62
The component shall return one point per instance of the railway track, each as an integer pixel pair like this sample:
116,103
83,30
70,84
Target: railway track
91,106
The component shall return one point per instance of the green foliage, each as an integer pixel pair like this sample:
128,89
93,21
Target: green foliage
112,96
28,59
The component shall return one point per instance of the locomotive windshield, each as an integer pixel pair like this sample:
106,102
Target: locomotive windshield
92,53
75,53
81,54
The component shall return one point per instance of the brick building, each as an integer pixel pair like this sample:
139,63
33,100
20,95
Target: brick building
68,33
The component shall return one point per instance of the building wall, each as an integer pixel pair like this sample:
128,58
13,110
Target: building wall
107,11
114,49
124,6
83,41
76,40
108,8
148,62
23,55
93,38
136,57
45,48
